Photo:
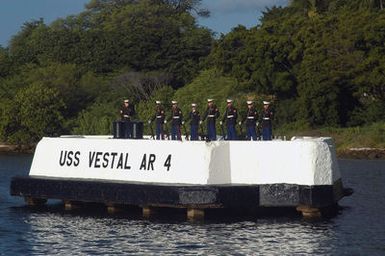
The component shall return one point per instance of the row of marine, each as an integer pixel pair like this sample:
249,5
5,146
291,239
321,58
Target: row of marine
258,123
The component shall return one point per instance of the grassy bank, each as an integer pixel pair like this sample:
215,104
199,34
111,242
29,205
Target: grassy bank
356,142
8,148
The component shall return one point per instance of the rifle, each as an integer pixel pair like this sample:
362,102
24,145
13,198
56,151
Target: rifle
165,130
185,132
151,130
241,134
258,131
223,132
202,135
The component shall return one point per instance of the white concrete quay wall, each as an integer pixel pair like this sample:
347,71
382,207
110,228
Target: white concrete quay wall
302,161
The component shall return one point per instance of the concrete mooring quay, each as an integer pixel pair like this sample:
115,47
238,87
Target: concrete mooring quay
197,176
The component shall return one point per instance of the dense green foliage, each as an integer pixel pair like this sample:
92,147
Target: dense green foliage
35,111
322,63
324,69
367,136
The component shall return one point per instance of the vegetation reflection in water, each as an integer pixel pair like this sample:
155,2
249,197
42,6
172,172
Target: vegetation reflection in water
107,235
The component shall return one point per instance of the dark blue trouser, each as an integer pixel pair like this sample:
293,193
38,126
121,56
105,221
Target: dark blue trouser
266,133
211,131
194,132
159,131
231,132
251,133
175,132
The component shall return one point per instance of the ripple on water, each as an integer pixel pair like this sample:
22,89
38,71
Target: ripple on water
359,230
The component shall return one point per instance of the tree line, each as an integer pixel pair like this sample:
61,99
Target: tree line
321,63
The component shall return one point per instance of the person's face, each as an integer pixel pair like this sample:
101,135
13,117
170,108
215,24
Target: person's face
229,104
249,106
210,104
126,104
266,106
174,106
194,109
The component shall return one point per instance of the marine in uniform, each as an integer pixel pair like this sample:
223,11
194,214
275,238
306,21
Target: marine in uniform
251,121
176,121
159,118
211,114
266,118
127,111
195,119
230,117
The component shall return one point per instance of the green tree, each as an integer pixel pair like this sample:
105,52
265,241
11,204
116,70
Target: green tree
5,63
96,120
155,37
35,112
24,47
140,36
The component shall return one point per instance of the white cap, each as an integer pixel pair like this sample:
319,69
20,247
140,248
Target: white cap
249,102
210,100
126,101
174,102
158,102
266,103
229,100
193,104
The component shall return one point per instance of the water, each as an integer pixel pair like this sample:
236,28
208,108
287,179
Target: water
358,230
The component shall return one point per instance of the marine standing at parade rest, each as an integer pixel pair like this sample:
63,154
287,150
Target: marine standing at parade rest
127,111
176,121
212,113
160,120
251,121
230,117
195,118
266,121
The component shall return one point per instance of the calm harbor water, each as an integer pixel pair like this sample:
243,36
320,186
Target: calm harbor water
358,230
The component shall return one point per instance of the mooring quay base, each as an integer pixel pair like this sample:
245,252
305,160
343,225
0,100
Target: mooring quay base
310,200
302,173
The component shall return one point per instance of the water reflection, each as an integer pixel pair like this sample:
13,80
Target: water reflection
55,233
358,230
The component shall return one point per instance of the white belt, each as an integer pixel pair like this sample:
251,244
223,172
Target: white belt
176,117
230,116
250,117
266,118
159,116
211,115
125,115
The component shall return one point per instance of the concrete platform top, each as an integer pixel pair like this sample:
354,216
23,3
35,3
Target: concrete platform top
302,161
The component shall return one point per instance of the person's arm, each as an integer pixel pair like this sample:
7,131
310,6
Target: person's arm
217,114
235,114
181,117
121,112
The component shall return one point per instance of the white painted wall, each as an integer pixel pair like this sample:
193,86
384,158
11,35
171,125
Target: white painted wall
306,162
301,161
